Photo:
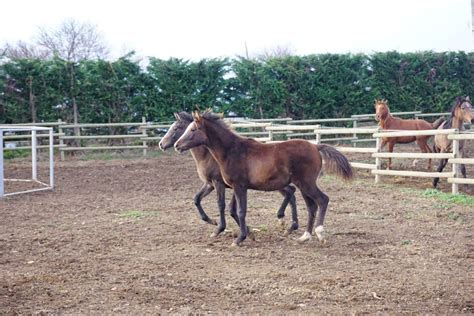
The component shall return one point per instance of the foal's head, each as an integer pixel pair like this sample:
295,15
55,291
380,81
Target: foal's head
381,110
175,131
462,110
196,133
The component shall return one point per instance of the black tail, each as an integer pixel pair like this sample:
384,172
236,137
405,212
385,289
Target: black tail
336,162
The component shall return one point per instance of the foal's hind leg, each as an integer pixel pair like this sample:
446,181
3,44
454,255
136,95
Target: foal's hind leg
203,192
422,143
313,195
289,194
323,201
312,208
220,190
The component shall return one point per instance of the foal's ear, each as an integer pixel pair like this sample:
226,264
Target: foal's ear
197,116
468,99
176,116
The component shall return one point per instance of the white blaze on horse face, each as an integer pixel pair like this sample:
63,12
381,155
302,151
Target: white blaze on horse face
184,137
168,133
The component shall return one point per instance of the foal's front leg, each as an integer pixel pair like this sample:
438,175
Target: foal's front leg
241,198
203,192
220,190
390,150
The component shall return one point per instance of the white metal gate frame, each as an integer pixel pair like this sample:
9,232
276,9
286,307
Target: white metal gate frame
34,162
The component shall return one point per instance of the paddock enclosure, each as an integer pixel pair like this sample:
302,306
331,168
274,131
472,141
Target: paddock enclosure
123,236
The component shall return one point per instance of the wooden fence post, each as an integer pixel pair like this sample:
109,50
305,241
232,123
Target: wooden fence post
354,125
318,135
377,160
61,140
270,132
455,186
144,135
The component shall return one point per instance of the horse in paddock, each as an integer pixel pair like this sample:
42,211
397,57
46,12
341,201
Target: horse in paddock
248,164
461,112
388,122
209,173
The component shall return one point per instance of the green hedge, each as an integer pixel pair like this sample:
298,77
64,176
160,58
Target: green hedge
313,86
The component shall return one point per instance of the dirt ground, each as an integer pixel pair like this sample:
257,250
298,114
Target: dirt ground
123,236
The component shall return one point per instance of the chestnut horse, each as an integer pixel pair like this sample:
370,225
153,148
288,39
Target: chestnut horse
388,122
248,164
461,112
209,173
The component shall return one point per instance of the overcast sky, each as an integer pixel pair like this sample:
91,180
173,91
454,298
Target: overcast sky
195,29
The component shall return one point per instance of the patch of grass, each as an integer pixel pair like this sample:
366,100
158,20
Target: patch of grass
455,216
406,242
260,228
327,177
451,198
409,215
442,206
135,214
17,153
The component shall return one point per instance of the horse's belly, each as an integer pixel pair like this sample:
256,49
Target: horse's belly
268,179
405,139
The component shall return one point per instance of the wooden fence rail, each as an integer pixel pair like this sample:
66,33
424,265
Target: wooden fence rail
266,130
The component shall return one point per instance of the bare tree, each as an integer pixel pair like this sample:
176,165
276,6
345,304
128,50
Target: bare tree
277,51
22,50
73,41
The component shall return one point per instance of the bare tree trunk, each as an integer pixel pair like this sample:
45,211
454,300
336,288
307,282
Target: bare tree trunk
32,100
260,111
75,111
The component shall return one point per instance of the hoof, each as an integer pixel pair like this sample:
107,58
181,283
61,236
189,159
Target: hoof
281,221
319,231
250,235
235,244
305,237
212,222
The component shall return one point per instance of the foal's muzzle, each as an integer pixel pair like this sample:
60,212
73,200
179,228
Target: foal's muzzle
177,147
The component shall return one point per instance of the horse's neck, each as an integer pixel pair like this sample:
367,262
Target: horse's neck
457,123
221,141
387,122
200,153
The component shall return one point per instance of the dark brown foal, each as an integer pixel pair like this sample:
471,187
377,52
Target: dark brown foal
248,164
209,172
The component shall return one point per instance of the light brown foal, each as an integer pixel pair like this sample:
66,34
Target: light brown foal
389,122
461,113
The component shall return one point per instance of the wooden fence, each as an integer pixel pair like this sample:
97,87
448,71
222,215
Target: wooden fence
376,153
139,136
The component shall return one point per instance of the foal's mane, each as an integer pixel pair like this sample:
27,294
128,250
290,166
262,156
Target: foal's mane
382,101
216,119
185,116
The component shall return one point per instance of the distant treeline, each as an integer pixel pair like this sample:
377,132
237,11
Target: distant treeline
313,86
